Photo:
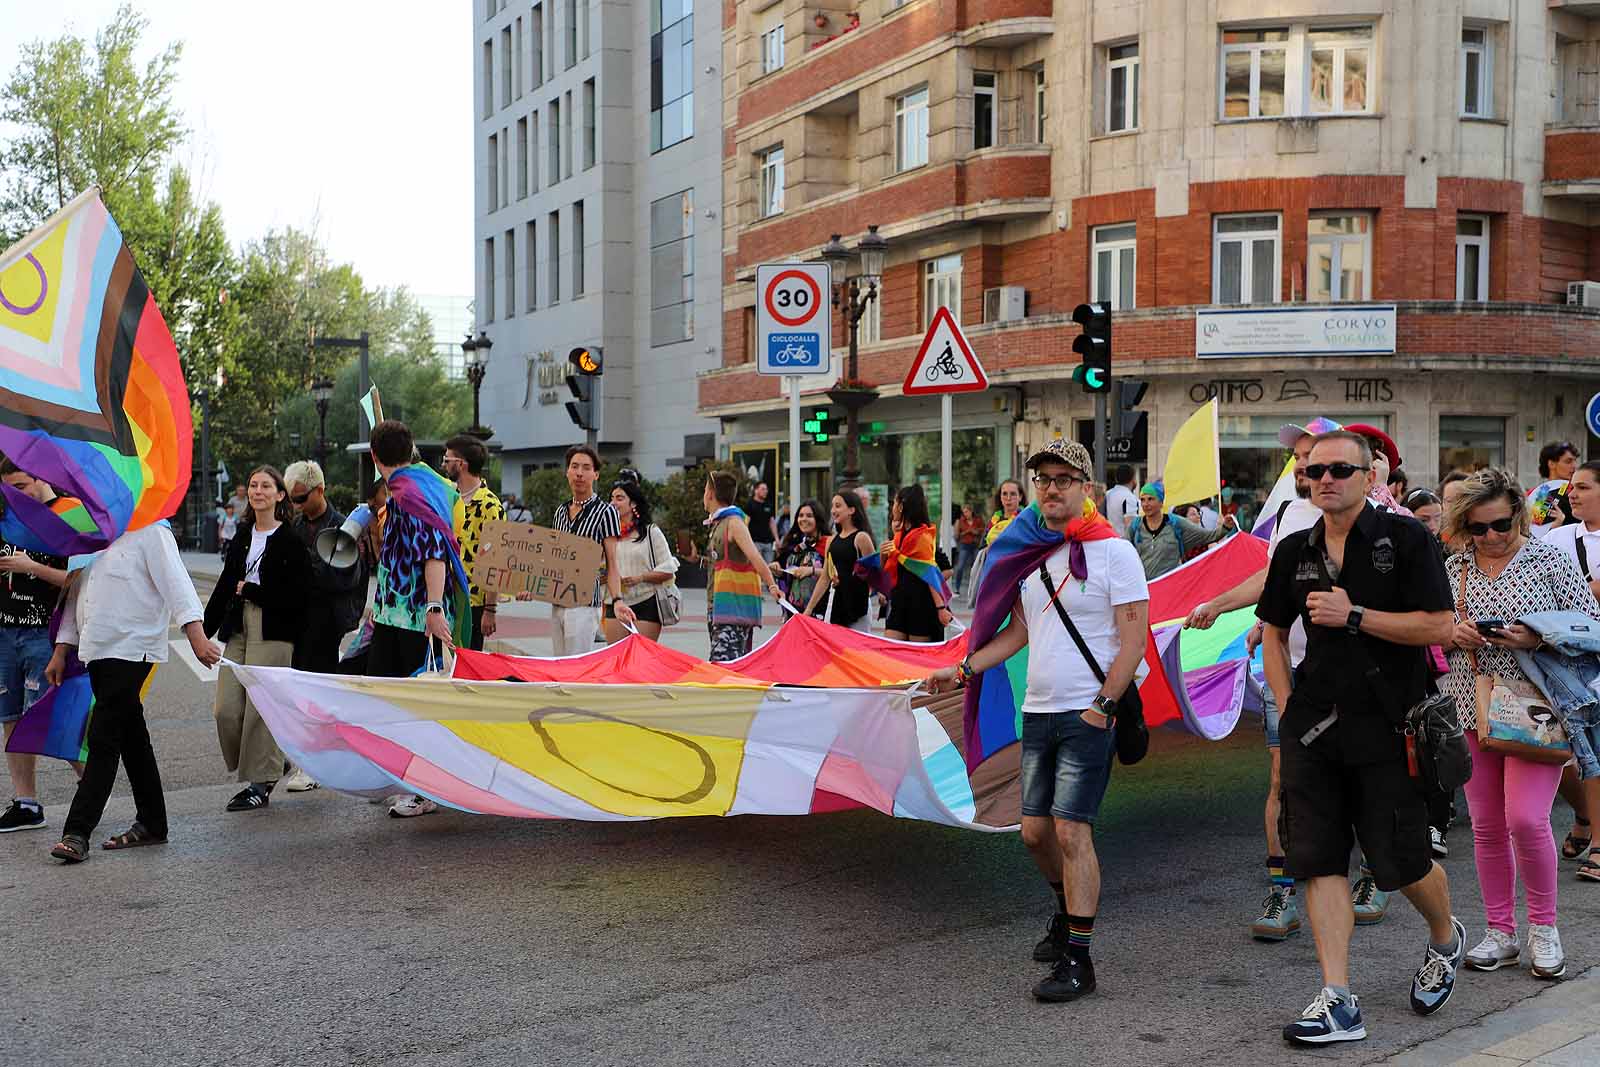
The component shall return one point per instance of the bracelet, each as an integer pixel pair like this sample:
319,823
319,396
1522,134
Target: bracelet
964,671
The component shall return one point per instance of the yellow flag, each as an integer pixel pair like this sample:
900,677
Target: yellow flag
1194,468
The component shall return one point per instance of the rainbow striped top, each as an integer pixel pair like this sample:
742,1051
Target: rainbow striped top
734,591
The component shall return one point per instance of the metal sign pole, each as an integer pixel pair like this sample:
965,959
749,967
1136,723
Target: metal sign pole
946,492
794,447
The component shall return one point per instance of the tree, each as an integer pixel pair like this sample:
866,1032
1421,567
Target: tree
85,117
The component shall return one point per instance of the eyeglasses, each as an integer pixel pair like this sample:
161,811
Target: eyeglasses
1060,481
301,498
1340,471
1478,529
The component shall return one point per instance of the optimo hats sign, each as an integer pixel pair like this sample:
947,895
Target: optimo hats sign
1322,330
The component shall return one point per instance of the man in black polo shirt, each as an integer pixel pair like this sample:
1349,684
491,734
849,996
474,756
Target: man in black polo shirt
1372,593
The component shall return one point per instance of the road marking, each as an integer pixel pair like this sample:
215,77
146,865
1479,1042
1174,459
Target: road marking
183,654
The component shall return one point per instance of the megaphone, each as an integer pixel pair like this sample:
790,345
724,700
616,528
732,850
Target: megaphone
337,548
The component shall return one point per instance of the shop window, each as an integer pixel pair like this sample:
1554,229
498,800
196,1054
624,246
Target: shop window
1115,256
1472,257
1122,87
941,287
984,112
911,129
1477,72
1245,257
1471,442
1338,258
1254,72
1251,457
771,182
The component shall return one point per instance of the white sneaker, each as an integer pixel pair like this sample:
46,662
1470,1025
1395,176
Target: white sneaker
410,806
1497,949
1544,944
300,782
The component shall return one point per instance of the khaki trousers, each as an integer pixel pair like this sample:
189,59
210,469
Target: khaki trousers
247,744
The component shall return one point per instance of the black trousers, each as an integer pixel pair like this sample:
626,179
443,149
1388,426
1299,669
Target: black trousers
396,653
477,629
317,648
117,730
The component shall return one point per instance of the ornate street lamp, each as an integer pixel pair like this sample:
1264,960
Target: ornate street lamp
852,297
476,351
322,393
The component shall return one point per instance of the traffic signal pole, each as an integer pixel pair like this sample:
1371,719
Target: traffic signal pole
1102,433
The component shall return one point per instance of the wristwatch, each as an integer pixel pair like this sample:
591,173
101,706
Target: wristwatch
1353,623
1105,706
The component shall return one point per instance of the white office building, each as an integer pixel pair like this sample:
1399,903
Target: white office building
598,147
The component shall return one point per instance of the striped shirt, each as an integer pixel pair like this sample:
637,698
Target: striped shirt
597,520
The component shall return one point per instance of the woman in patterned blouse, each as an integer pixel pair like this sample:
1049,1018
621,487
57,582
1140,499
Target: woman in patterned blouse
1503,574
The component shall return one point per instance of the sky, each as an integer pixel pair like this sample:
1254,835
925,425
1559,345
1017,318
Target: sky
352,118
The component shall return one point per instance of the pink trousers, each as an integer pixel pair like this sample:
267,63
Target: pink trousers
1510,799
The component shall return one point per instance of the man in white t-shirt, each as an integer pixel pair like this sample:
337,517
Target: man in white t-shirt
1280,913
1122,501
1067,740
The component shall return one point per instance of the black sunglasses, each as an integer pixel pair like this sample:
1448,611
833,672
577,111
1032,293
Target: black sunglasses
1478,529
1340,471
300,499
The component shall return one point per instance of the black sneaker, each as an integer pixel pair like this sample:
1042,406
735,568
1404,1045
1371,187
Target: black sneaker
250,798
1436,978
1072,977
1054,945
21,816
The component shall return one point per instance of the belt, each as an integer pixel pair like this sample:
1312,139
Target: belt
1310,736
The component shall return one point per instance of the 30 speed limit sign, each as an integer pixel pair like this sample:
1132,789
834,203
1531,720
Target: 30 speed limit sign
793,318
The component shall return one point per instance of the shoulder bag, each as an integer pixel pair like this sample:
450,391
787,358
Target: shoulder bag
1513,717
669,601
1132,735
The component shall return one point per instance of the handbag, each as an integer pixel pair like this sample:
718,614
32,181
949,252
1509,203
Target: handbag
1442,759
1513,717
1132,735
669,601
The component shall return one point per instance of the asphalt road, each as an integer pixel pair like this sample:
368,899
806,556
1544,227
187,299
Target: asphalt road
321,932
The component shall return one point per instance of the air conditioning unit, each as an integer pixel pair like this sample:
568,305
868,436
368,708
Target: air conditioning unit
1004,303
1584,294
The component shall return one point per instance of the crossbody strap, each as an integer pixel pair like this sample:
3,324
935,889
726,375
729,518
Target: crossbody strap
1583,554
1066,620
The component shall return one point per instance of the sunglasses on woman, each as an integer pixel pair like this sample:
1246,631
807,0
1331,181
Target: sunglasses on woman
1340,471
1478,529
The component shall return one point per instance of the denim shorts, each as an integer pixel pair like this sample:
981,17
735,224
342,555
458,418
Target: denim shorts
1270,715
1066,765
24,654
1583,729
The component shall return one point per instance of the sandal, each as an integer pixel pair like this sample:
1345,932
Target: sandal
135,836
1575,846
72,848
1589,871
250,798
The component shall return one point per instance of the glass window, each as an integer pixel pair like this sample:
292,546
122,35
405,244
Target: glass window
1472,257
1251,459
1245,259
577,249
1038,105
486,89
488,279
522,158
519,51
941,287
771,181
1471,442
984,133
494,171
566,136
583,28
572,33
552,236
1477,86
671,72
1337,71
672,268
552,128
588,123
1254,63
533,151
1112,271
772,47
536,46
1338,257
505,67
911,129
511,273
530,256
1122,88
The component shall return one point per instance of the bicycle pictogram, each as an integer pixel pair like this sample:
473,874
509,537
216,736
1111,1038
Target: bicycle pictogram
945,366
796,353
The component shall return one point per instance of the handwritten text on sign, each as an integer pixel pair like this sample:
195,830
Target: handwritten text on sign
555,567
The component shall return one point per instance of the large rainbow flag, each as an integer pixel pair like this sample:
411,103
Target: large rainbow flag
92,394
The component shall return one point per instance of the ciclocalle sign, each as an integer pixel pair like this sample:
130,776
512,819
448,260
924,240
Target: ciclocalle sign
555,567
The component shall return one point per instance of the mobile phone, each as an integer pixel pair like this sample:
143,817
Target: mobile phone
1491,627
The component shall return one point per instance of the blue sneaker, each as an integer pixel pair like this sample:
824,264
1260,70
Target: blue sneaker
1436,978
1327,1019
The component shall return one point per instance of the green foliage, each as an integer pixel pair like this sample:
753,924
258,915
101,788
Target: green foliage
680,505
343,497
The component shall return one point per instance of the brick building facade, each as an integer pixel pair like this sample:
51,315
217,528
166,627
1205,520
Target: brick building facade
1170,156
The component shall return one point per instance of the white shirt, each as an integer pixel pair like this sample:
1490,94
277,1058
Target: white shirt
258,548
1209,519
1301,514
120,608
1566,539
635,558
1058,678
1122,507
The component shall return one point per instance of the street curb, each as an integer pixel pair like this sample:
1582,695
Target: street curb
1551,1017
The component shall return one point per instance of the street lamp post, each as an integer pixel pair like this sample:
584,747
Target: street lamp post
322,393
364,471
852,297
476,351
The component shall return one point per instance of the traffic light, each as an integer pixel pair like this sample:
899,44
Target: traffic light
1094,345
1129,395
584,366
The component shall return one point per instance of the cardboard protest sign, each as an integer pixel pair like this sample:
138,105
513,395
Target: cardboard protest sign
555,567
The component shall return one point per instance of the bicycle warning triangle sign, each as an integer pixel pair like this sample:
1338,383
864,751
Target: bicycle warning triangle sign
945,363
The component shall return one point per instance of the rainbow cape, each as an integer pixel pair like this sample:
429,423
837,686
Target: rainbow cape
914,550
92,393
427,496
